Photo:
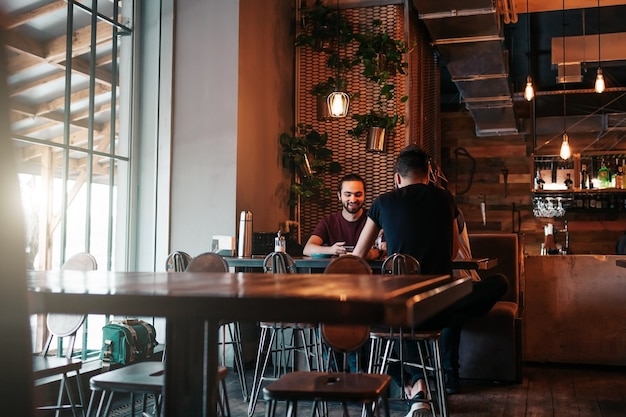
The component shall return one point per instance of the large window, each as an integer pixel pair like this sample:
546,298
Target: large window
70,79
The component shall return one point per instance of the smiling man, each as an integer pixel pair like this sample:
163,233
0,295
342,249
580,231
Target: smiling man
337,233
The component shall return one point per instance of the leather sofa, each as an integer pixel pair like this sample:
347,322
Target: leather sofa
491,345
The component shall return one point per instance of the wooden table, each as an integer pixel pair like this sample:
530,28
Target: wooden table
195,303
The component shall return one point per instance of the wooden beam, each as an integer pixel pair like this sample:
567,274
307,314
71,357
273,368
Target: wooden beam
20,19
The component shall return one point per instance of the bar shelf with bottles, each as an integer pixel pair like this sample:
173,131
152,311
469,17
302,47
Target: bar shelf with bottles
587,183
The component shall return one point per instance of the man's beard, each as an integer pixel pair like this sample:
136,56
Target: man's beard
353,209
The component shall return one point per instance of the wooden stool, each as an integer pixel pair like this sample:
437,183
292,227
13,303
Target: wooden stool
343,387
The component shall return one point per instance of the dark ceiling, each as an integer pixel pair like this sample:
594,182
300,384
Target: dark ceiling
534,53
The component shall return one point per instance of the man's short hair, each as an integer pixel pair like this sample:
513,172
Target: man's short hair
412,162
350,177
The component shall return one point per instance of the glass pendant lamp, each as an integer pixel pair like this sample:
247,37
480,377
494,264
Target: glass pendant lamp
565,152
338,101
529,91
599,87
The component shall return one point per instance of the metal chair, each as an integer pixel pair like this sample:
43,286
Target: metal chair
144,378
322,387
177,261
212,262
279,341
64,327
429,353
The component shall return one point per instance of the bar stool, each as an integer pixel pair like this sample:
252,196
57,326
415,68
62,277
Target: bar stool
278,343
427,341
321,387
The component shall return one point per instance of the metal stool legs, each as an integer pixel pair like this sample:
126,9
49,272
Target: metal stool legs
429,361
234,334
273,344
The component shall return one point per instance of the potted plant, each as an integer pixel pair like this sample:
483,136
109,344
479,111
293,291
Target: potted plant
306,154
322,27
377,125
381,55
382,58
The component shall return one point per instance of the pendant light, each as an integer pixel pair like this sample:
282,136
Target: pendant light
338,101
565,152
599,77
529,91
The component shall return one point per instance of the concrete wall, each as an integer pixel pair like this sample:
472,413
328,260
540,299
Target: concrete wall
233,93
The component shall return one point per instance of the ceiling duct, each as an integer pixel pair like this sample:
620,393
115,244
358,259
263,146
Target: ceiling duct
468,36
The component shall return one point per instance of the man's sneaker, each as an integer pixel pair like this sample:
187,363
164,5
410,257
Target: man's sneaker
453,385
419,409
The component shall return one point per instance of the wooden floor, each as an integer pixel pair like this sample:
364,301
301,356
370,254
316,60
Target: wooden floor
558,391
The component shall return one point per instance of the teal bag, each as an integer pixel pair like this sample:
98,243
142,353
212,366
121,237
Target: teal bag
127,341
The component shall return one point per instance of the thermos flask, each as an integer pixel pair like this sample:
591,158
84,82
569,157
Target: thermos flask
244,248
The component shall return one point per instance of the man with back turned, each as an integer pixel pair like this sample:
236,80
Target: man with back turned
419,219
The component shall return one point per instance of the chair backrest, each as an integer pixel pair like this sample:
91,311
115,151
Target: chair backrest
346,338
208,262
63,326
80,262
279,263
67,325
177,261
348,264
400,264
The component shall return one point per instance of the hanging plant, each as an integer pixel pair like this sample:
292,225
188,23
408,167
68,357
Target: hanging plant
381,55
382,58
323,27
305,153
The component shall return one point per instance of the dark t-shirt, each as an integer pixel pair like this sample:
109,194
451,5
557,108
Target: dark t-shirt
417,221
334,228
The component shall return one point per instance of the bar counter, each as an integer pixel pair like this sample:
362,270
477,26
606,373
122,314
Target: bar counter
195,303
575,310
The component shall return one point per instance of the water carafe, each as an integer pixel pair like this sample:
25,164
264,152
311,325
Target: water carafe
244,247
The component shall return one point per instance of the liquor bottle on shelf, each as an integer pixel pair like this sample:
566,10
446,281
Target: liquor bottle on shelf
584,178
538,180
569,184
604,176
619,175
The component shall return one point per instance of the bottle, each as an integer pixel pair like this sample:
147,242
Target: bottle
244,248
583,177
619,176
604,176
280,245
538,181
569,184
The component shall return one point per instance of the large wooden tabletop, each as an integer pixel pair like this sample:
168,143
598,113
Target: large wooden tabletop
195,303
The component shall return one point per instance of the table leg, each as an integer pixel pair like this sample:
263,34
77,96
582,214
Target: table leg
190,387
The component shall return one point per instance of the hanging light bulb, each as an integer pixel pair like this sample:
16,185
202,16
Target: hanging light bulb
529,91
599,81
338,101
599,77
566,152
